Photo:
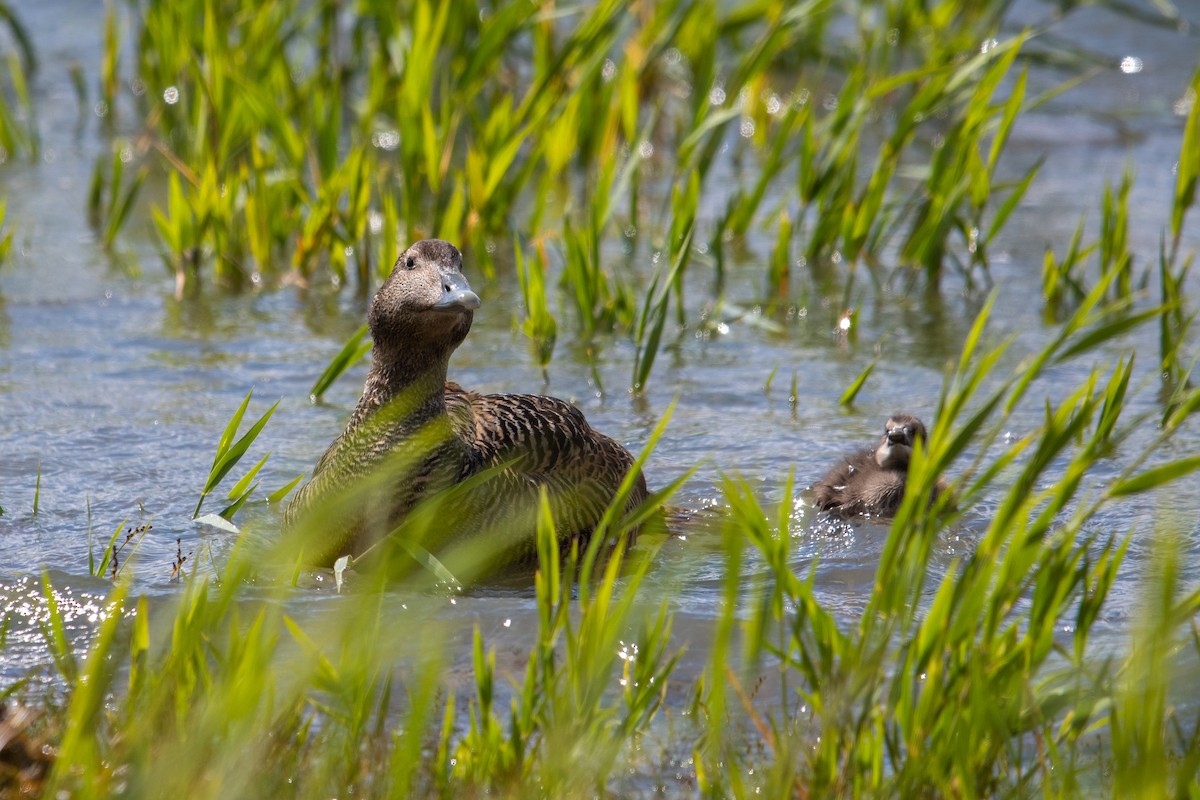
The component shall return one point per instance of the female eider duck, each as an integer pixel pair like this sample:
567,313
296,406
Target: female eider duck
414,434
872,480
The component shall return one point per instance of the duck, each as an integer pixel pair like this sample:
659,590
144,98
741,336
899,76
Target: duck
871,481
415,435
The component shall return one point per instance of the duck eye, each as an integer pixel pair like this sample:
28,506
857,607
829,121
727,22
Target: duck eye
410,262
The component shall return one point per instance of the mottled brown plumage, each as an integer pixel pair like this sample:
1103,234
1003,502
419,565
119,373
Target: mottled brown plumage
414,434
872,480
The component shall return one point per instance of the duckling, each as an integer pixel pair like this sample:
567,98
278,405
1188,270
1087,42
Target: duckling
872,481
414,434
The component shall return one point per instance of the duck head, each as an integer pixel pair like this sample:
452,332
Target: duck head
426,303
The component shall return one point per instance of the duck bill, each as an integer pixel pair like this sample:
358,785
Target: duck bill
456,294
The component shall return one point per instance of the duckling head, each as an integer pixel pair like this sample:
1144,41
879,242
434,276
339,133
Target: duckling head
899,434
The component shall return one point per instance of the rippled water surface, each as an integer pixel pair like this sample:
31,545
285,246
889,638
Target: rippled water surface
113,393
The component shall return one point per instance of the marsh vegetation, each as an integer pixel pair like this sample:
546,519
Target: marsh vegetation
736,234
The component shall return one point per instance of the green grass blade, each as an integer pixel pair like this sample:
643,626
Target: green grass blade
1156,476
284,490
1188,169
847,398
228,454
234,453
351,353
231,428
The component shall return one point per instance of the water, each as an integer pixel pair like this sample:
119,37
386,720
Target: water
115,393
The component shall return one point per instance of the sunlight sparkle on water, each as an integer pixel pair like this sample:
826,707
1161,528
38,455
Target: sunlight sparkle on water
1131,65
386,140
1183,106
24,601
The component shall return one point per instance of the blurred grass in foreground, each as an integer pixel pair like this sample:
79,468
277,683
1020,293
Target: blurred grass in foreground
982,682
306,138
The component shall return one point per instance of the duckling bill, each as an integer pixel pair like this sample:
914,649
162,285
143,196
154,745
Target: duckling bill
872,481
414,434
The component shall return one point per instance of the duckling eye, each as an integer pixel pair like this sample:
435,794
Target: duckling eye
410,263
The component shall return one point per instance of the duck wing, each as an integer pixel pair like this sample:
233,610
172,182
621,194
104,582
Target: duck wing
541,442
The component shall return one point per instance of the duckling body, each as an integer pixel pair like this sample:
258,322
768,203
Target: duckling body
872,480
414,434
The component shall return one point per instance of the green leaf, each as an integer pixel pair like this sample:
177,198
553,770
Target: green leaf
339,570
852,390
427,560
139,644
238,502
239,488
231,428
228,454
217,521
1014,198
1155,477
351,353
233,455
282,492
1188,169
1103,333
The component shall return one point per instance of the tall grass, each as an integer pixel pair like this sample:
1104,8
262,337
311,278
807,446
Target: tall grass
18,123
5,235
982,681
1174,264
978,678
304,140
109,211
229,452
307,138
539,324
